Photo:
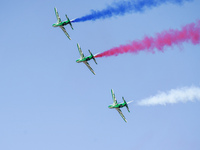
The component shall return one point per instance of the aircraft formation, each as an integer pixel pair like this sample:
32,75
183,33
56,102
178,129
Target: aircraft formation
85,60
188,33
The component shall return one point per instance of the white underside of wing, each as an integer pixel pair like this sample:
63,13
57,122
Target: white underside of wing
114,98
87,64
80,51
57,16
121,114
65,32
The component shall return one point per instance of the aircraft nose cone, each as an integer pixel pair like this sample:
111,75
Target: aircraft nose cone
54,25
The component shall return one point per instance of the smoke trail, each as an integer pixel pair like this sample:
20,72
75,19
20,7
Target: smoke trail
123,7
173,96
188,33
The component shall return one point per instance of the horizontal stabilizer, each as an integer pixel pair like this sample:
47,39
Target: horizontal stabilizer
92,56
126,104
69,22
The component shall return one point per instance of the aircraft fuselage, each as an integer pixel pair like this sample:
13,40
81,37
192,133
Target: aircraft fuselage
61,23
84,59
120,105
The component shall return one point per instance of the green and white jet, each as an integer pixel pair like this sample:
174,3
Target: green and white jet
85,59
61,24
117,106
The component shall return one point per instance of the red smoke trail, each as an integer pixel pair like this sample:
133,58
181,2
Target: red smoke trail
188,33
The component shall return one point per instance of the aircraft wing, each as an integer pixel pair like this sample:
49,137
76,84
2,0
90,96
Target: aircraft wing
80,51
57,15
65,32
121,114
113,96
87,64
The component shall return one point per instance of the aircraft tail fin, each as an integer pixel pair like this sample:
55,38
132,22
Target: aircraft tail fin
92,56
70,23
126,104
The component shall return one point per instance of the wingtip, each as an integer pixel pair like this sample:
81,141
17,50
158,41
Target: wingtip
55,9
69,38
78,45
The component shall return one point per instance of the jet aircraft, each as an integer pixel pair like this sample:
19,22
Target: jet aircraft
85,59
61,24
117,106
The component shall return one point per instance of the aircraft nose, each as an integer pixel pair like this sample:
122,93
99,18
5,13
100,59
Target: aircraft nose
78,61
54,25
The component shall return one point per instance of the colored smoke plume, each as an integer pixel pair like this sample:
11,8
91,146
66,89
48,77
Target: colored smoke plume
188,33
122,7
173,96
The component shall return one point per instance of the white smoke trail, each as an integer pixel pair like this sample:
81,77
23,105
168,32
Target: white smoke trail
173,96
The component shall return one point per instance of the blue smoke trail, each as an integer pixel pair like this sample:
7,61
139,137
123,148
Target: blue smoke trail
123,7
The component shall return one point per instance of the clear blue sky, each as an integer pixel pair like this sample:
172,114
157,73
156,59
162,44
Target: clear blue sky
48,101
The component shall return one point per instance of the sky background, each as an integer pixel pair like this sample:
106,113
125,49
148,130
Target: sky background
48,101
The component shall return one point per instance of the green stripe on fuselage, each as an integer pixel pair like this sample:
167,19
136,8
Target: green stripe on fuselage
61,23
85,59
120,105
